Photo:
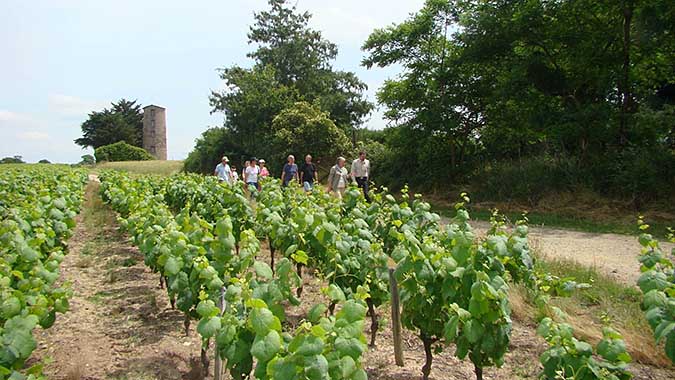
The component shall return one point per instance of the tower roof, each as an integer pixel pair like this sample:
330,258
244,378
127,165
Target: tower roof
152,105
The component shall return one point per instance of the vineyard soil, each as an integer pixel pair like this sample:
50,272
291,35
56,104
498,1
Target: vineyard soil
121,325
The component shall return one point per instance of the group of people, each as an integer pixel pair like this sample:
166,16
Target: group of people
250,174
306,174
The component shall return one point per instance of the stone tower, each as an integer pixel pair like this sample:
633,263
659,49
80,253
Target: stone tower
154,131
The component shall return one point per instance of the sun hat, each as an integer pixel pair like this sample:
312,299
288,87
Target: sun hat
225,159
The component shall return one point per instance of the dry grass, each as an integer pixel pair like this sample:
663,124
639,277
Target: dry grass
588,310
144,167
581,210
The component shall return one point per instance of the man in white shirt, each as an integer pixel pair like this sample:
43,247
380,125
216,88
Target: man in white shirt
223,171
360,172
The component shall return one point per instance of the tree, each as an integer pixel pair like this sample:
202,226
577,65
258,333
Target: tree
436,97
213,144
292,63
122,122
44,161
485,82
87,159
304,129
12,160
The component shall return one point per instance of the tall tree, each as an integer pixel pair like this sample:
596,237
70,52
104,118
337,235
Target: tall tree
522,76
435,94
122,122
292,63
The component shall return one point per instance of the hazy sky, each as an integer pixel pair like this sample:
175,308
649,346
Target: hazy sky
62,59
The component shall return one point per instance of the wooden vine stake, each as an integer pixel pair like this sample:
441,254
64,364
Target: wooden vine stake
395,315
218,372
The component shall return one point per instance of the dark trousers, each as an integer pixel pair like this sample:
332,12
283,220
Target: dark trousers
363,183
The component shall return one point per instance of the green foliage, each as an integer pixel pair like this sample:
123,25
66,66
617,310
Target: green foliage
37,207
12,160
657,283
303,128
487,87
122,122
197,257
569,358
200,235
292,63
121,151
210,147
87,159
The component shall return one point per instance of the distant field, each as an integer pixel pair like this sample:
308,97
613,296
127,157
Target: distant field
144,167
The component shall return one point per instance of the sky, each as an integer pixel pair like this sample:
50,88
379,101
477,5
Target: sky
62,59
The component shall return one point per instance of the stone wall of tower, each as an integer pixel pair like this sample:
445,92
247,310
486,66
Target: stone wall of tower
154,131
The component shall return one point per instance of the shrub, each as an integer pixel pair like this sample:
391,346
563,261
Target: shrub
12,160
121,151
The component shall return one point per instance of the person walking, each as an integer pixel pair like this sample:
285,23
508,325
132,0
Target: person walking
252,171
223,171
360,172
264,173
243,170
338,178
308,174
290,171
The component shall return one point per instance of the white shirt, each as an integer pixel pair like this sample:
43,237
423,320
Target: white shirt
252,173
360,168
223,172
341,182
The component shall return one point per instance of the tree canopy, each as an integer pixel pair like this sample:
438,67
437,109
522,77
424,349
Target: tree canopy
486,81
292,63
123,121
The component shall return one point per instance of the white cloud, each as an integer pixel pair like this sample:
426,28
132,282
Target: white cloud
68,105
33,135
344,26
11,117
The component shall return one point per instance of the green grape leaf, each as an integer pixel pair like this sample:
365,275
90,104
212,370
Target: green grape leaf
316,312
263,270
263,320
208,327
265,348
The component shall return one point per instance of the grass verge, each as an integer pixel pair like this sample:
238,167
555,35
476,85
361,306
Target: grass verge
569,222
606,302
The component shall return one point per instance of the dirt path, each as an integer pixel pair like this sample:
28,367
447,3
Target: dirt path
612,254
119,325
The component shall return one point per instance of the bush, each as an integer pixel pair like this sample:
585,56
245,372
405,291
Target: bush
210,147
87,159
44,161
639,175
12,160
121,151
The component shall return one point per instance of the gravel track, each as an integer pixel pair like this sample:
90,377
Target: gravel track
611,254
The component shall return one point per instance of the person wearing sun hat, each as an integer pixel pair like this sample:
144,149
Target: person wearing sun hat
223,171
264,173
